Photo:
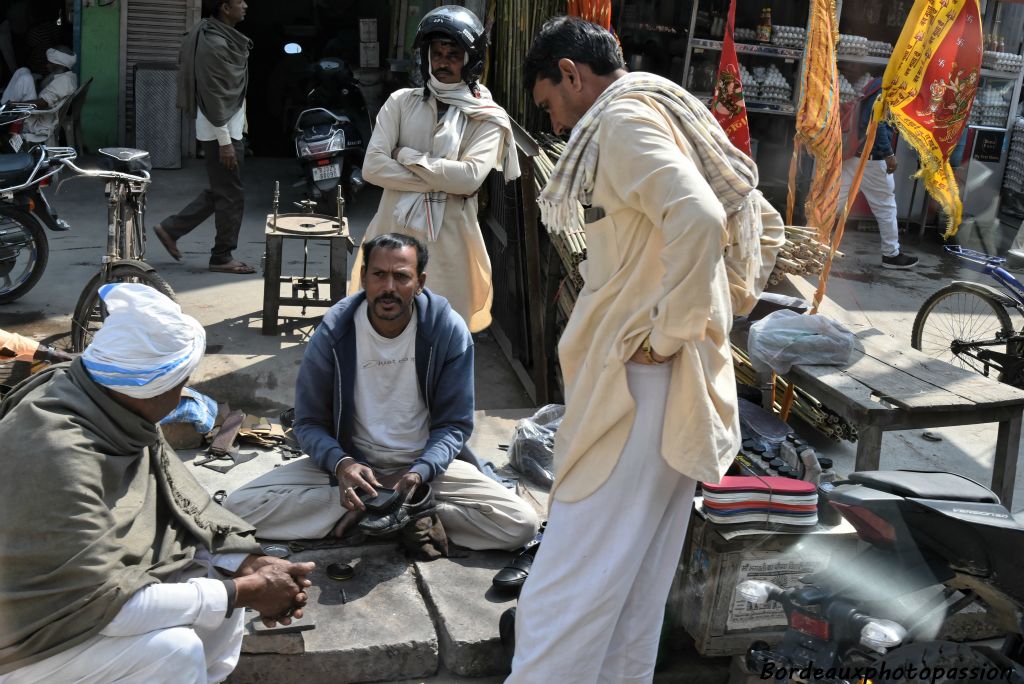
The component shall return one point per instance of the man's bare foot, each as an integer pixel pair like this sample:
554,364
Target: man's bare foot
167,241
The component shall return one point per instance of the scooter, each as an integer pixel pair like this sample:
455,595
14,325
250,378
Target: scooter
24,211
331,134
936,544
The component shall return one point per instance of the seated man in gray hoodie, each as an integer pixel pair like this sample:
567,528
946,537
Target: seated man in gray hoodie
385,397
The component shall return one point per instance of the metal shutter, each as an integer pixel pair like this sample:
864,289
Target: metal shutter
151,32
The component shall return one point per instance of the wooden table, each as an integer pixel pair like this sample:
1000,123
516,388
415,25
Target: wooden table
891,386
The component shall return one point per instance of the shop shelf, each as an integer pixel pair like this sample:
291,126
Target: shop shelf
749,49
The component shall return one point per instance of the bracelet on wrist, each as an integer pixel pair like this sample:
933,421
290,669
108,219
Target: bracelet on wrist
649,352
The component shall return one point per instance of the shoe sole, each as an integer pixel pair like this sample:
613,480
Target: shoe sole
897,267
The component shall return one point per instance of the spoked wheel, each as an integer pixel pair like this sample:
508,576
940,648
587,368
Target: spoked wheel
954,321
90,312
24,251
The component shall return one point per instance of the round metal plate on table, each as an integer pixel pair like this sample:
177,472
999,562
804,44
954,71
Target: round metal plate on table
305,224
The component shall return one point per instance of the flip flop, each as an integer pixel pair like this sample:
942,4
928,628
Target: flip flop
167,241
233,267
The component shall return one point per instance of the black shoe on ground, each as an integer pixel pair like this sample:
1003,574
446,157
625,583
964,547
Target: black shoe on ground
419,505
899,261
507,633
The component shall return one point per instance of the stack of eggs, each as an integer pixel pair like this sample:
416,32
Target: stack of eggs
1013,179
1002,61
990,107
774,86
789,36
846,90
744,35
879,48
852,45
751,86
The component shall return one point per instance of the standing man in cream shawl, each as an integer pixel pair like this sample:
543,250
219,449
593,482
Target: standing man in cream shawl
431,150
115,564
213,75
678,241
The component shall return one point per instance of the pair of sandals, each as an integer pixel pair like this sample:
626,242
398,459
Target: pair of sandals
171,246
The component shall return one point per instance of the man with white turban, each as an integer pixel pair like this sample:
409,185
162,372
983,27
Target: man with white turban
115,564
59,85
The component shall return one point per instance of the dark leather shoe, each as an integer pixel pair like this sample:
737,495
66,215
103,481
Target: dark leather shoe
419,505
511,577
507,634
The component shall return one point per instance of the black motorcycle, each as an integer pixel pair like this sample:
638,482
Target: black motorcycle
24,211
936,544
331,133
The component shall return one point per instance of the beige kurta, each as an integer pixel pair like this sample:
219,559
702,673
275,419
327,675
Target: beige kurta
654,266
459,268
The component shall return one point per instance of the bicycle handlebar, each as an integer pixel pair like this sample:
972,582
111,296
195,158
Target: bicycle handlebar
102,173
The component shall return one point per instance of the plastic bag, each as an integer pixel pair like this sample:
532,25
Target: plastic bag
783,338
532,450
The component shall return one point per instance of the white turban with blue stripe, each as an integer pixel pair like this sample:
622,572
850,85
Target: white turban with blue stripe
146,346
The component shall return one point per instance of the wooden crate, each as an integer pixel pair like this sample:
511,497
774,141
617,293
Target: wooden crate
703,599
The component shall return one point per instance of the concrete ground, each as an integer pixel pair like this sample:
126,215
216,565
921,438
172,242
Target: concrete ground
435,621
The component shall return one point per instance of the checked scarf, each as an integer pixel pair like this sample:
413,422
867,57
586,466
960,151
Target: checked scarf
731,174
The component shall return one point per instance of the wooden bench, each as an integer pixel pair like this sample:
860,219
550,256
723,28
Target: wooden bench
891,386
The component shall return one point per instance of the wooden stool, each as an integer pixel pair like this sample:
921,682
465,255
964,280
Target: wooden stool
307,227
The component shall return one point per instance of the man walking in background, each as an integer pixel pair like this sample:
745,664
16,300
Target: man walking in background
212,82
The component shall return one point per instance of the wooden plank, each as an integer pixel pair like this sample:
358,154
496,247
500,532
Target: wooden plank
960,381
869,448
902,389
1004,468
838,391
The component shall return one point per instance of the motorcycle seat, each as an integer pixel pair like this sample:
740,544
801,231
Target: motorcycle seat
124,159
925,485
15,168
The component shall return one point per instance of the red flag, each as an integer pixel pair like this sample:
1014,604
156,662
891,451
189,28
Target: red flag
727,102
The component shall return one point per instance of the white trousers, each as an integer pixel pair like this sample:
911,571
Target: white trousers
593,605
203,650
879,189
21,88
297,501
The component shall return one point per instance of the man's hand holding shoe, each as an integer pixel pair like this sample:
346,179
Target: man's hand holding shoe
355,477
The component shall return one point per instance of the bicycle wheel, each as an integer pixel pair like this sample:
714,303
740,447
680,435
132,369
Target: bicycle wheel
90,312
953,318
24,251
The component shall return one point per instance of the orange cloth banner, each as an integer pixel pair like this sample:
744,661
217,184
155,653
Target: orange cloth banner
727,103
818,125
929,87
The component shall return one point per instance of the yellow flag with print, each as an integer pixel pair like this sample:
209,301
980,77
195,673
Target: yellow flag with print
929,87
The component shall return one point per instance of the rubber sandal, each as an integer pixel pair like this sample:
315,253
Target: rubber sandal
167,241
233,267
513,576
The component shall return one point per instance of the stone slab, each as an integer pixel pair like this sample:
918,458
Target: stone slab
379,631
466,608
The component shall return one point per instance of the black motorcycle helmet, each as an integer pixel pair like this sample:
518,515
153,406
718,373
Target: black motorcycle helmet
461,26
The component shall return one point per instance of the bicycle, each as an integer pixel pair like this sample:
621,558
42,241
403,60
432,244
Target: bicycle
127,174
968,324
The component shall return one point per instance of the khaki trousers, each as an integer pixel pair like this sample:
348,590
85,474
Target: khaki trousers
297,501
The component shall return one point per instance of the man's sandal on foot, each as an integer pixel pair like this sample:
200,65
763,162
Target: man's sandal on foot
167,241
233,267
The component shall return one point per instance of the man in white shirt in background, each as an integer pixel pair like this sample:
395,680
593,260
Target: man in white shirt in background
55,89
212,82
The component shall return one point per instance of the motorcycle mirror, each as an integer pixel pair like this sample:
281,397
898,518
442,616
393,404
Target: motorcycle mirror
293,49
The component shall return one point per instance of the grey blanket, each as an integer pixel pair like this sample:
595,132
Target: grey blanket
94,505
213,71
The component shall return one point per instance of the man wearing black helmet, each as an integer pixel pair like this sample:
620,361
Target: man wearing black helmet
431,150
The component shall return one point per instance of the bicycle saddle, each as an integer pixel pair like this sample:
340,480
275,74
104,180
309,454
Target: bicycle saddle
15,168
925,485
124,159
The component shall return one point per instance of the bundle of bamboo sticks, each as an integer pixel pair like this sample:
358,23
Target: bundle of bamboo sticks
810,410
802,254
516,23
570,245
